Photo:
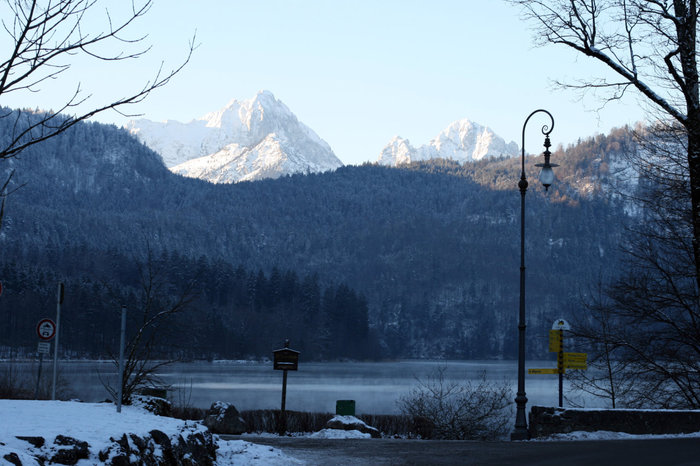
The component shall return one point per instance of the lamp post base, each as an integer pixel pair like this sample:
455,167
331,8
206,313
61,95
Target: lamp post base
520,434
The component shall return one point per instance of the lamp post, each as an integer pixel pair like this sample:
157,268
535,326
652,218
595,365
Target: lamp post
546,178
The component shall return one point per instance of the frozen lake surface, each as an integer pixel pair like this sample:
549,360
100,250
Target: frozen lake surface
375,386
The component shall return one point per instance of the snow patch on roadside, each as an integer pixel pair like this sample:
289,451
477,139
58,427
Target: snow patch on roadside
244,453
608,435
339,434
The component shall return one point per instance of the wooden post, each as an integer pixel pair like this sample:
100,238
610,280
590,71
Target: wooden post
283,414
285,359
284,390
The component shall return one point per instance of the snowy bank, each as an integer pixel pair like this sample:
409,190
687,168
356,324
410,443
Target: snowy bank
34,432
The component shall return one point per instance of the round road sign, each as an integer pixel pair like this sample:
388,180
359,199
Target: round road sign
561,324
46,329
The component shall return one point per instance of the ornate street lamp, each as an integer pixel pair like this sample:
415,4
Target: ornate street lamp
546,178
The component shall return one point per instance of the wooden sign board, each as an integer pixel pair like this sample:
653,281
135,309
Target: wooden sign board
286,359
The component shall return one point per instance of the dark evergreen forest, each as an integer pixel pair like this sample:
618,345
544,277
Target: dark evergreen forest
366,261
231,312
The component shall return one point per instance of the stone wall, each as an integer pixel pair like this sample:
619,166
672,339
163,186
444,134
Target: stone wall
545,421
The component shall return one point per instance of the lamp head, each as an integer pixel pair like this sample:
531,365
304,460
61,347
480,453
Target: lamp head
546,173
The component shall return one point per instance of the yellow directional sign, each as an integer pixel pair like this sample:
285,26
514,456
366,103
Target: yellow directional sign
575,357
543,371
555,341
576,365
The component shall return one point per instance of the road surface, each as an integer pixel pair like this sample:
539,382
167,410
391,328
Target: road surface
376,452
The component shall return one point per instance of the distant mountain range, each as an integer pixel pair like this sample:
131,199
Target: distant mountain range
432,246
244,141
462,141
261,138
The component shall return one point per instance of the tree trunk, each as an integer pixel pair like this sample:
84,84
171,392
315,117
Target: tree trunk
686,35
694,169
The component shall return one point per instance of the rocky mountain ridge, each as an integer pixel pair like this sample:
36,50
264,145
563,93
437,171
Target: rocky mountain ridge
462,141
244,141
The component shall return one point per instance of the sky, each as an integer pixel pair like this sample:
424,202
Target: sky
357,72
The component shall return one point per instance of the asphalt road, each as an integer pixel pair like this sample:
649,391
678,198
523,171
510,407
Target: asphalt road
657,452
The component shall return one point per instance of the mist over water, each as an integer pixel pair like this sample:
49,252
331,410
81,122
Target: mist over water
315,387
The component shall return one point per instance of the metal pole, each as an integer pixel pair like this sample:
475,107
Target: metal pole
121,360
38,377
560,366
59,301
521,432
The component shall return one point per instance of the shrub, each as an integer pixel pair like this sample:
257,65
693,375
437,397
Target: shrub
445,409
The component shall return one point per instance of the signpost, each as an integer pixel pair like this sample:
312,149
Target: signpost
555,341
122,342
44,347
46,329
577,361
59,301
285,359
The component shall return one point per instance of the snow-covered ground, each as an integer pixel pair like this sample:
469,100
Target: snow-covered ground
95,423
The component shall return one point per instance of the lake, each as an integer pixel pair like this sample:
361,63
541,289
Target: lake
375,386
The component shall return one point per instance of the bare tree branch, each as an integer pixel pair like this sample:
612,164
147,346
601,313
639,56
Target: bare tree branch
47,36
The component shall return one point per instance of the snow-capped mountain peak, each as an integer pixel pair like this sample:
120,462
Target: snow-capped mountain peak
462,141
245,140
397,152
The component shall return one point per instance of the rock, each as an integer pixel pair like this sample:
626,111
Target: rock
12,458
196,448
166,446
352,423
223,418
191,446
154,404
37,442
75,450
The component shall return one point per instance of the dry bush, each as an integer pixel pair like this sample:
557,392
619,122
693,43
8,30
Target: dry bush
444,409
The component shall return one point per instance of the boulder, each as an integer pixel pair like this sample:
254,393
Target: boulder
197,448
191,446
70,450
156,405
223,418
352,423
12,458
36,442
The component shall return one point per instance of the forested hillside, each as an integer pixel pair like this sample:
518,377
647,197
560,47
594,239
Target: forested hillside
429,253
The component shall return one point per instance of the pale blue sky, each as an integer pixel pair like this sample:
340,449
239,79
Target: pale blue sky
357,72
